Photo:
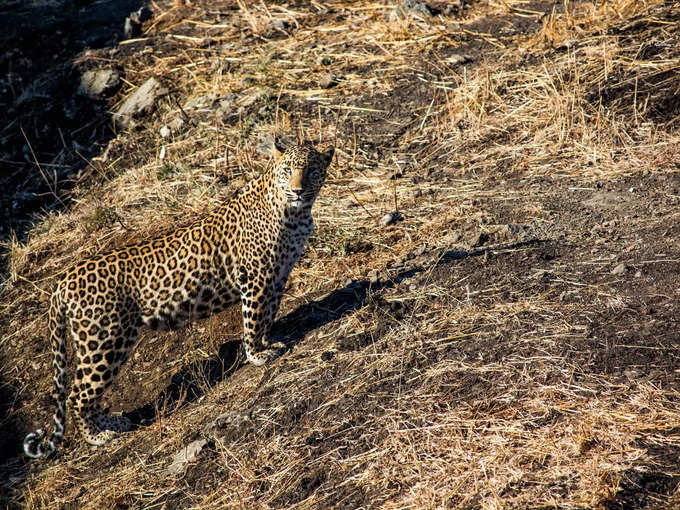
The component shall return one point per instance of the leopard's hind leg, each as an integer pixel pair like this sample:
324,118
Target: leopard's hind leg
101,349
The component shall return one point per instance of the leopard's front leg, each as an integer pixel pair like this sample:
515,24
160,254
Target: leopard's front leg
259,303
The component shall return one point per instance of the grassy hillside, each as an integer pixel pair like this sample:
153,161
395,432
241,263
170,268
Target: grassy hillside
511,341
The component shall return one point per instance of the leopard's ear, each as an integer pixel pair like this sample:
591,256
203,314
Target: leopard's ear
277,147
327,151
328,155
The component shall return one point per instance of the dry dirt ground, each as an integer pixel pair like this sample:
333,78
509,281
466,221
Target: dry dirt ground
510,341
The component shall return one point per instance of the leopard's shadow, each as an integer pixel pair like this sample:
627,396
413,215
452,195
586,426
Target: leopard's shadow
191,382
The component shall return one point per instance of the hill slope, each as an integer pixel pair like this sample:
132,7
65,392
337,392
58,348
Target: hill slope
509,342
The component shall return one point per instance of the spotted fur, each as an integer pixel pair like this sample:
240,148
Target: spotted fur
243,253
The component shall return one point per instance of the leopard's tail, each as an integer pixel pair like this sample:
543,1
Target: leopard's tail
36,444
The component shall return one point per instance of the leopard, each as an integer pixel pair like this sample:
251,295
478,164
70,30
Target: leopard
243,252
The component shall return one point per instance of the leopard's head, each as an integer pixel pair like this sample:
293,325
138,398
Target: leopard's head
301,171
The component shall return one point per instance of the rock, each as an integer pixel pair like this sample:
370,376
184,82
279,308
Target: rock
389,218
280,24
479,240
184,456
453,7
99,83
176,124
203,102
230,426
420,250
638,274
139,102
165,131
453,238
324,61
328,80
620,269
457,59
265,143
225,106
413,8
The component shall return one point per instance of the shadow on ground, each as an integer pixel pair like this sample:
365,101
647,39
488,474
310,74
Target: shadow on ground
189,384
50,131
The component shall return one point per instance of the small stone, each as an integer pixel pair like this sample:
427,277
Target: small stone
455,237
225,106
631,373
638,274
165,131
265,143
456,59
373,276
280,24
202,102
139,102
324,61
231,419
389,218
413,8
184,456
620,269
328,80
176,124
480,239
99,83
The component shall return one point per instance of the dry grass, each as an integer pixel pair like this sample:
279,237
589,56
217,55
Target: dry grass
497,364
